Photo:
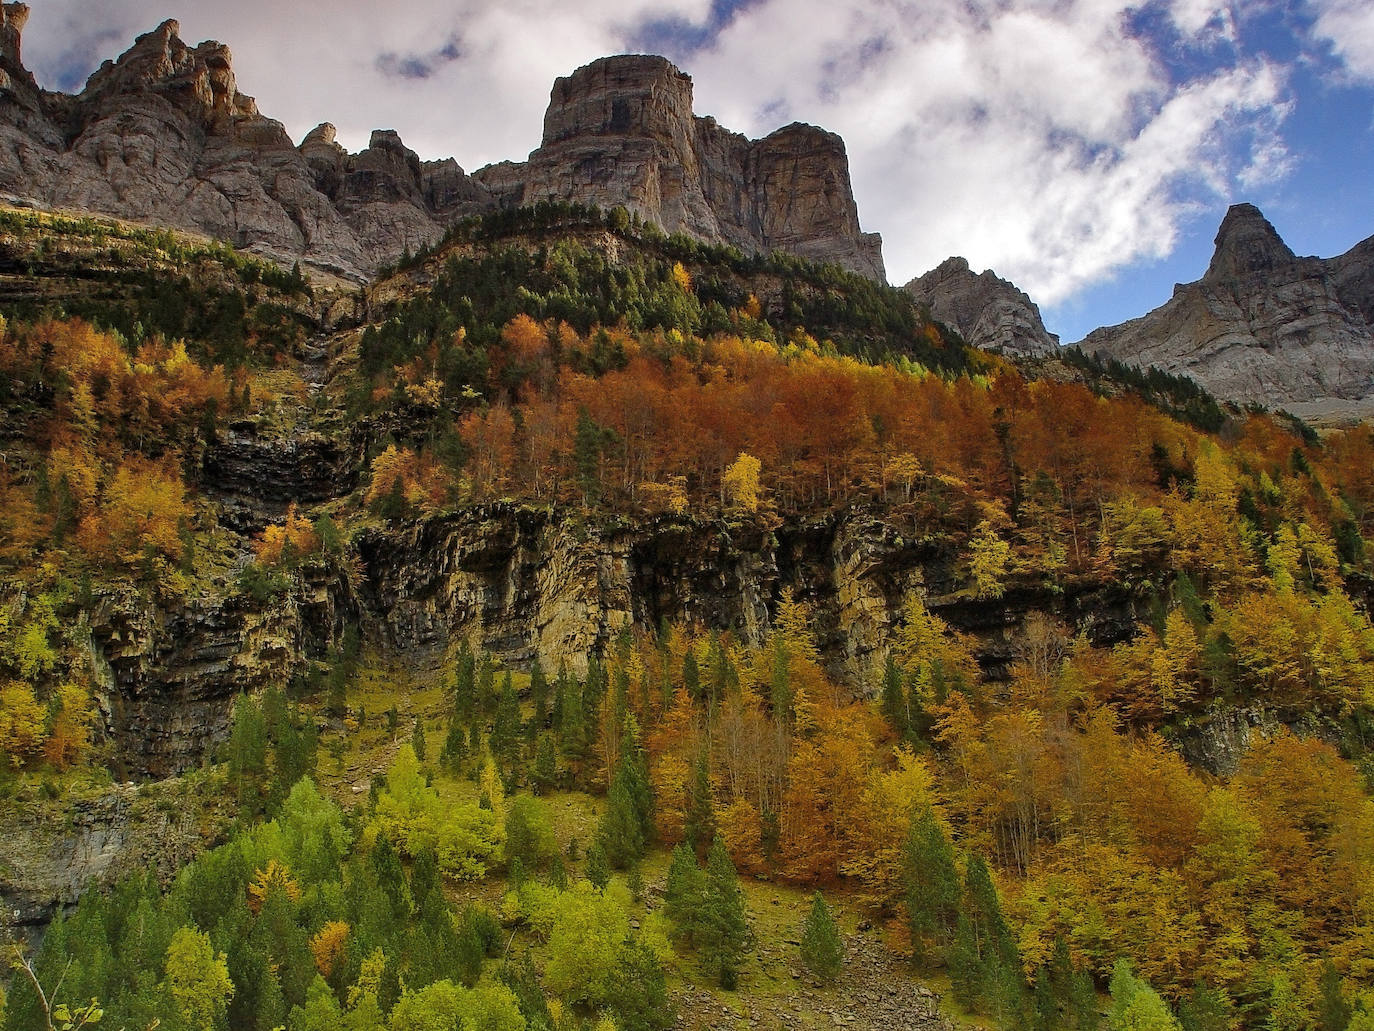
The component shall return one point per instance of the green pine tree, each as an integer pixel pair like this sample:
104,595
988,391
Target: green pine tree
682,895
417,740
699,826
505,727
895,698
932,883
598,869
691,675
620,834
822,948
545,773
724,929
1333,1011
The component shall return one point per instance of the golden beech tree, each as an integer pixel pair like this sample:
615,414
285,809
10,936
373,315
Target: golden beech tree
71,729
294,537
741,483
21,722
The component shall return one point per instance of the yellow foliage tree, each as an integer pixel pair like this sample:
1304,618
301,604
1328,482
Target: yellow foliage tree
741,482
327,946
21,722
71,729
275,876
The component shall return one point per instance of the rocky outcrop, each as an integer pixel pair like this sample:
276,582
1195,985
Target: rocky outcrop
621,131
51,852
163,135
987,311
1263,325
522,582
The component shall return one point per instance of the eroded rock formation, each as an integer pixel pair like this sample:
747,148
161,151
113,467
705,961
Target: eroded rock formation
622,131
1263,325
987,311
163,135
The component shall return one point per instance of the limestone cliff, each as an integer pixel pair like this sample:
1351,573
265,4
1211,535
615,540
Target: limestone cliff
522,581
622,131
1263,325
163,135
987,311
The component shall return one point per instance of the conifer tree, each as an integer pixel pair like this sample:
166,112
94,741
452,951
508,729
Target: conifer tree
894,698
724,928
822,948
598,869
637,992
620,833
417,740
691,675
539,695
573,727
465,686
1333,1011
545,773
683,892
699,822
505,728
486,685
248,757
932,881
593,694
455,746
1205,1008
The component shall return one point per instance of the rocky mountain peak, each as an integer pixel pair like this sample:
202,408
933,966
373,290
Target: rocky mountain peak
162,134
625,95
986,310
1263,325
197,80
1247,243
13,18
621,131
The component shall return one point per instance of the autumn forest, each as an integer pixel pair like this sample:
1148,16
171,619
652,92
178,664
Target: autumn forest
1083,736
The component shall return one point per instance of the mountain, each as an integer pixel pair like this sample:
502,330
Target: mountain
1263,325
987,311
621,131
164,136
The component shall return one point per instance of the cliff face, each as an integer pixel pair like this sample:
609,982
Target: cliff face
1262,324
163,135
987,311
522,582
621,131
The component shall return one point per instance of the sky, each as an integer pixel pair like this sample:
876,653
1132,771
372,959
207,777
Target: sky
1084,149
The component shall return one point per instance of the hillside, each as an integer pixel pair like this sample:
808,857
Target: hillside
523,637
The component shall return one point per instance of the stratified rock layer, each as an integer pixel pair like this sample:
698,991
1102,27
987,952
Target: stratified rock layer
1262,325
987,311
163,135
621,131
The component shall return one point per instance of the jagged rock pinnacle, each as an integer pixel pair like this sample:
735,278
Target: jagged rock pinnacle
1246,243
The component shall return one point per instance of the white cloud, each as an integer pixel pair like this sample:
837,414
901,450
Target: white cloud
1348,26
1042,138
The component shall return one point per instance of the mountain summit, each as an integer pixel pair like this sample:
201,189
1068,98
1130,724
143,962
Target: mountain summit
163,135
1247,243
1263,325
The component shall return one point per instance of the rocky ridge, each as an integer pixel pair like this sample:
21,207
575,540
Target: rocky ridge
163,135
622,131
1263,325
986,310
